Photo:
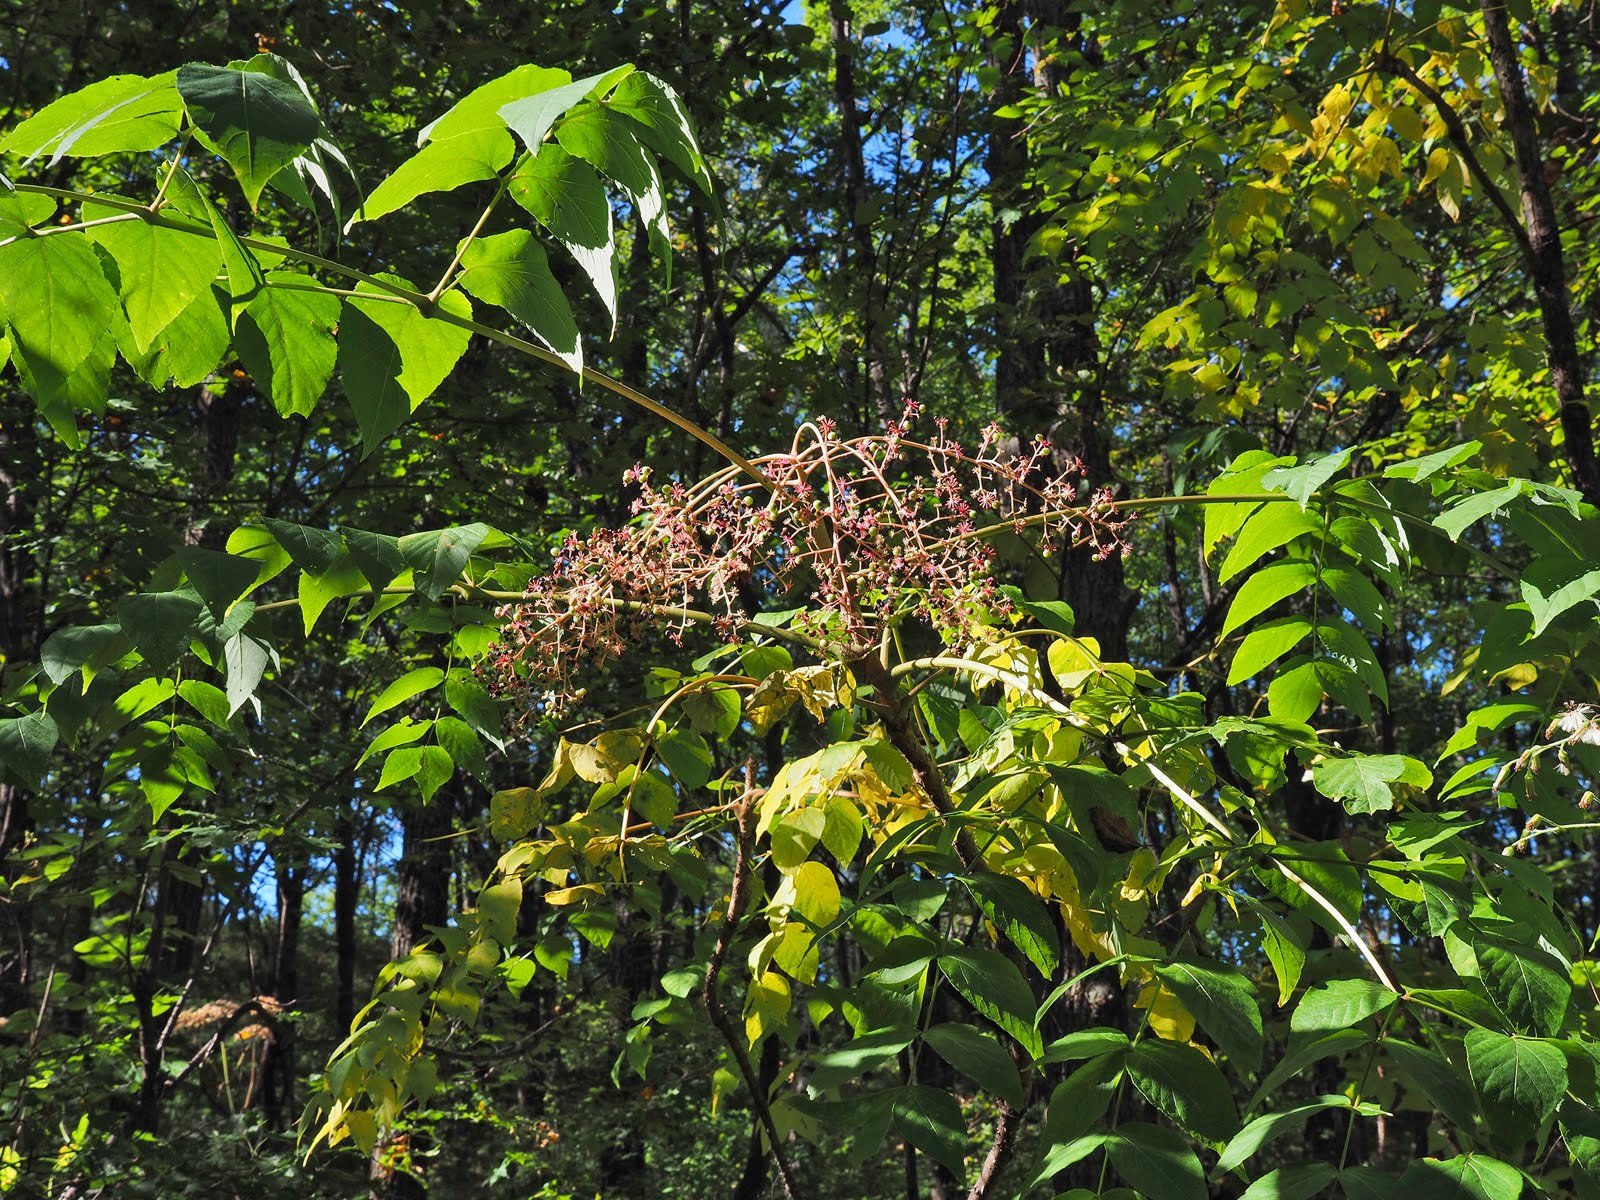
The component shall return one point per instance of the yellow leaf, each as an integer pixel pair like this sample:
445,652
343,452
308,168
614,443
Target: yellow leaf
1169,1019
571,895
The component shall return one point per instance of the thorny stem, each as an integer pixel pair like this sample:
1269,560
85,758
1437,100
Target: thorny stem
744,838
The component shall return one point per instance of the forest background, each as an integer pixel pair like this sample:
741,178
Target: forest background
1231,840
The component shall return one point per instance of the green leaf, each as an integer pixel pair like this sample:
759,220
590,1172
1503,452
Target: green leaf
1268,528
931,1121
606,140
1185,1085
568,199
120,114
1063,1154
1465,1177
160,271
313,550
159,624
393,358
795,835
1363,782
377,556
687,756
1265,1129
285,339
994,986
1355,592
1302,482
859,1055
1325,867
245,278
401,765
1528,984
463,745
498,906
434,771
1298,1181
1369,1183
438,557
1434,1080
980,1058
656,107
1520,1080
1551,587
59,307
1021,916
412,683
531,115
1266,587
1264,645
403,733
21,211
1283,946
1224,1004
1339,1004
466,155
468,698
510,270
77,646
316,590
1455,520
1082,1098
219,578
188,349
258,124
25,746
466,144
1156,1161
1297,688
246,661
480,108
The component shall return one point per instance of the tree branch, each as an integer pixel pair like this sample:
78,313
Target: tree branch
1461,140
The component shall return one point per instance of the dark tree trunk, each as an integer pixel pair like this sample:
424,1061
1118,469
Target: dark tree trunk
20,615
422,898
279,1069
1047,371
346,895
422,879
1545,261
862,263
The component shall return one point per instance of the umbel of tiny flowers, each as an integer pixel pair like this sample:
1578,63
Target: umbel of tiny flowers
864,532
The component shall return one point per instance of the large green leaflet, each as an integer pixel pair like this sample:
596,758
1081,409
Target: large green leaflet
259,124
393,358
569,200
285,337
61,314
121,113
160,270
511,270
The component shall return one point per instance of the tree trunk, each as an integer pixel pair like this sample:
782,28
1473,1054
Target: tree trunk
346,895
279,1068
1047,371
862,268
1545,261
422,883
20,614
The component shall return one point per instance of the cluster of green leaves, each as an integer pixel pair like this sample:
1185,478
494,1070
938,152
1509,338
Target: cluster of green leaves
953,850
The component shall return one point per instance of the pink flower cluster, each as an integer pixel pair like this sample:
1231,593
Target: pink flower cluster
864,532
